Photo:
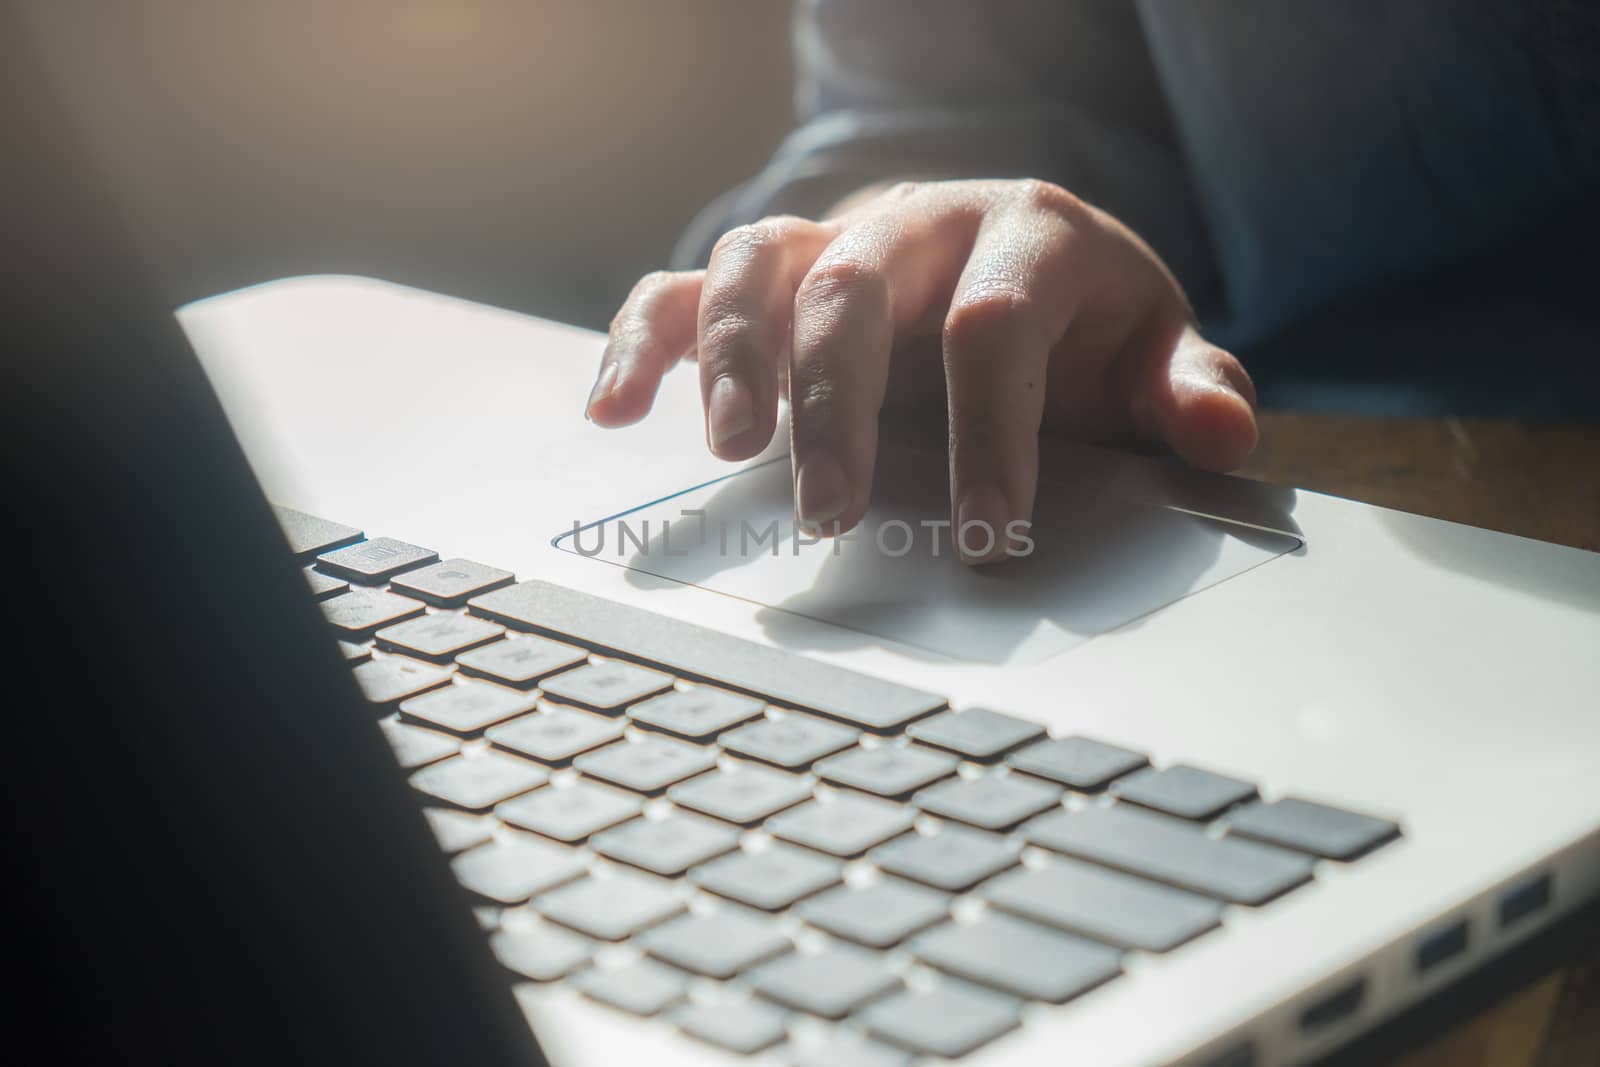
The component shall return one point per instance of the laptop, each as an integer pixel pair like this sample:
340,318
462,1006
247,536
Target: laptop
402,768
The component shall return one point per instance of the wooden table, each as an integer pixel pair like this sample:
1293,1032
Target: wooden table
1540,481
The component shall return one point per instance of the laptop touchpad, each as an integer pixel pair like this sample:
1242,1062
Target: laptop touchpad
1099,559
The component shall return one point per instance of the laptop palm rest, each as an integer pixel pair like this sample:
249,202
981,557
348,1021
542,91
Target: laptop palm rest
1101,558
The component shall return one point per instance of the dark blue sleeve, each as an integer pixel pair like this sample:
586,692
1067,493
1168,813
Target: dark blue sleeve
1339,146
1281,155
894,89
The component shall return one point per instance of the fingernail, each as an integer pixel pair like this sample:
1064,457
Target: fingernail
821,493
981,520
730,411
602,387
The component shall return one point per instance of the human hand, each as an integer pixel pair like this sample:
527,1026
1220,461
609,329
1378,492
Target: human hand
1050,313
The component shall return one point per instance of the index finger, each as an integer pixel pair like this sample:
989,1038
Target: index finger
652,330
746,306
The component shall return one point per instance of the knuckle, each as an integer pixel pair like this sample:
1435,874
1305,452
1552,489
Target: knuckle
737,239
981,316
780,228
755,239
648,290
839,279
1049,197
723,335
655,280
651,295
639,298
903,190
811,393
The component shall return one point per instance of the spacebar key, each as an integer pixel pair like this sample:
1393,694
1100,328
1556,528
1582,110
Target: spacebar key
1171,851
685,648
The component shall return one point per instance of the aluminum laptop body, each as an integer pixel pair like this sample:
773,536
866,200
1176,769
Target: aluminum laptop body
1435,675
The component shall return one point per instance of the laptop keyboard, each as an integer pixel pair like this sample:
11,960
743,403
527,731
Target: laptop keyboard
768,851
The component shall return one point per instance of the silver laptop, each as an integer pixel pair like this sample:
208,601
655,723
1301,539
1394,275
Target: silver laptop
1219,774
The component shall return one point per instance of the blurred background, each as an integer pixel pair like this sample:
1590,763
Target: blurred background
535,154
542,154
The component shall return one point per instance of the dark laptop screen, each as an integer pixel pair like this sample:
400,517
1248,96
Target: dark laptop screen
219,861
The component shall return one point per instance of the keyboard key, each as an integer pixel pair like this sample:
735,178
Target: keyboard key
848,1051
310,536
976,733
394,678
467,707
842,825
647,765
744,795
556,733
831,983
991,801
743,1026
415,747
888,770
643,988
521,661
1316,828
1017,957
513,869
374,562
880,915
1186,792
613,907
450,583
949,1020
954,859
696,712
1105,905
771,879
666,846
438,637
605,686
708,655
790,741
359,612
543,953
457,831
478,781
570,812
719,945
354,653
324,586
1077,762
1158,847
